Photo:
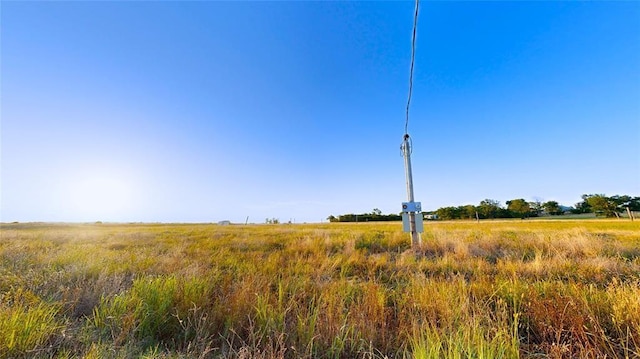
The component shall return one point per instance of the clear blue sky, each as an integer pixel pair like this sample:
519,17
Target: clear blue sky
203,111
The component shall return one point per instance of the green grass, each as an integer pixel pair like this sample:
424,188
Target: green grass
27,323
495,289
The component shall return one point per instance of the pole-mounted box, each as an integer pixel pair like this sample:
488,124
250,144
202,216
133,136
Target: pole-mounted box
418,220
411,207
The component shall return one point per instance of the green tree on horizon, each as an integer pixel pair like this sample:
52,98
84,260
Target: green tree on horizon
519,207
489,208
552,207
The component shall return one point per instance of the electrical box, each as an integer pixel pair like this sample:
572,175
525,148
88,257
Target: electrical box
411,207
406,226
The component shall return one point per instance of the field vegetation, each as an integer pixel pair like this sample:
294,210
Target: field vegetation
510,289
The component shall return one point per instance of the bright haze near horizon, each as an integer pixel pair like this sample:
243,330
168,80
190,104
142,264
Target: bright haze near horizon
204,111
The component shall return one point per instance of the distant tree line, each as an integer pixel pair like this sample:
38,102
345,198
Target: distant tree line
599,204
607,206
375,215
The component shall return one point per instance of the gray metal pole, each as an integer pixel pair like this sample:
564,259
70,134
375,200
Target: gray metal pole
406,152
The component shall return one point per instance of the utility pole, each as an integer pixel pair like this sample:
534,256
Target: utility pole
411,223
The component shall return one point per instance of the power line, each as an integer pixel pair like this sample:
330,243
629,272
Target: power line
413,53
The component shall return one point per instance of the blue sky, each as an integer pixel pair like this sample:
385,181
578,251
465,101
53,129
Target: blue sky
203,111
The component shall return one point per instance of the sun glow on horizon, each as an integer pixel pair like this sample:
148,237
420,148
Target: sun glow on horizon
101,195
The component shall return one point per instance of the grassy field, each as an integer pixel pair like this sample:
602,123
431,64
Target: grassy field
528,289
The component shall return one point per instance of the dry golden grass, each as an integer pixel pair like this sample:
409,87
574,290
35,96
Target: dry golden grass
498,289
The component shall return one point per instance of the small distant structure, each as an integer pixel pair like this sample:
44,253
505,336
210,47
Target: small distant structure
431,217
224,223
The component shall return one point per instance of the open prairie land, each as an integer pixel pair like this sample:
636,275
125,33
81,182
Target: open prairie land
528,289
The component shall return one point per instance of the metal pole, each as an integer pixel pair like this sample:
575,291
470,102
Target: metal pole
406,152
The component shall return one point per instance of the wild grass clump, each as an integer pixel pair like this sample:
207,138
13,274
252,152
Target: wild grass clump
512,289
157,310
27,323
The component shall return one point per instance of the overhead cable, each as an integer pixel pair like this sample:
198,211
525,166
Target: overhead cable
413,52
